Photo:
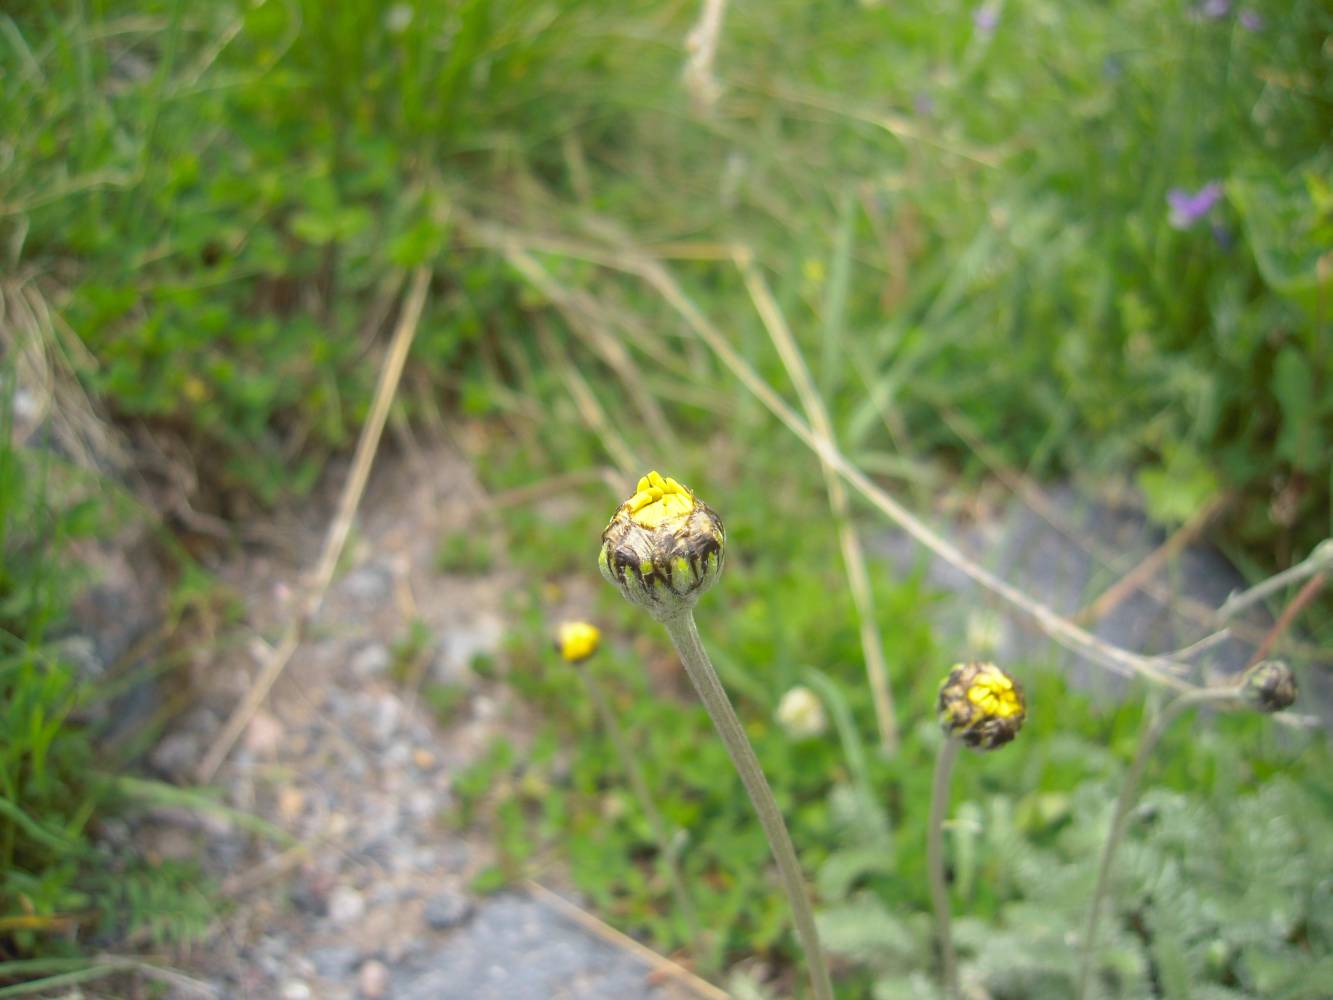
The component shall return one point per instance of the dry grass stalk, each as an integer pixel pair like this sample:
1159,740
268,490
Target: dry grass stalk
366,447
1151,564
1298,604
853,555
701,44
661,966
613,443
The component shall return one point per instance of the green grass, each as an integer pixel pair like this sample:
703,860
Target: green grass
216,203
62,886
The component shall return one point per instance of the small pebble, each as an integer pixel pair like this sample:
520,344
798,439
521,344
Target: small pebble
423,758
291,802
264,735
346,905
373,980
447,909
371,660
295,989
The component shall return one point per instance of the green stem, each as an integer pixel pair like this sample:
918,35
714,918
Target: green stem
640,788
939,893
1119,818
685,636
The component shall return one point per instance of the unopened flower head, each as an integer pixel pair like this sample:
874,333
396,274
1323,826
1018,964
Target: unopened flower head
1269,686
663,548
576,641
801,714
981,705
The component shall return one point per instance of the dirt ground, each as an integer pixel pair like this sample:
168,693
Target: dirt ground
370,899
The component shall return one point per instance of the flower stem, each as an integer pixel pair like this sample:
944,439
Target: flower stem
1148,739
639,786
685,636
939,893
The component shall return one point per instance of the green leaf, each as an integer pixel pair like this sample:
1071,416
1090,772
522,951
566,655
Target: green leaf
1179,488
1293,385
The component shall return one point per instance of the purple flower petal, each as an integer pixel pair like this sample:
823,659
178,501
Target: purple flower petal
985,18
1187,209
1215,10
1251,21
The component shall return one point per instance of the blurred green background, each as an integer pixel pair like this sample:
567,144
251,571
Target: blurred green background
1076,241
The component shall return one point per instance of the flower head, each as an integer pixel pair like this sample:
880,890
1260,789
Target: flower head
1251,21
986,18
981,705
1187,209
801,714
663,548
1215,10
1269,686
576,641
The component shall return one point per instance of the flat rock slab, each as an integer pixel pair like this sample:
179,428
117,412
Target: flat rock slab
1065,557
515,948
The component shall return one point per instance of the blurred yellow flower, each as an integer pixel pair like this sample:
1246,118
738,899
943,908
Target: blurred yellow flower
576,641
981,705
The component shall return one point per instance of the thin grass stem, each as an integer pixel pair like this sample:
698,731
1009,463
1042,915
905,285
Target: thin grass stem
685,637
939,892
1148,740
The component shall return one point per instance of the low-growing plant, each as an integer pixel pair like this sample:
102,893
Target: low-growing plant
62,886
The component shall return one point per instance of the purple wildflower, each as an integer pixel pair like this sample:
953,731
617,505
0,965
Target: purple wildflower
985,18
1251,21
1187,208
1215,10
923,104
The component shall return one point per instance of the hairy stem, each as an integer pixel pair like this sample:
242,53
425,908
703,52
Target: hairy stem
685,636
939,893
1148,739
639,786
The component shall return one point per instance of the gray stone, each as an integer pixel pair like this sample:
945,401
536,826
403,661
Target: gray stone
1060,570
369,584
346,905
177,754
446,910
516,949
463,643
370,660
335,961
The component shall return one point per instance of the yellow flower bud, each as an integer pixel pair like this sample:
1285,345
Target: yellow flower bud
801,714
663,548
576,641
981,705
1269,686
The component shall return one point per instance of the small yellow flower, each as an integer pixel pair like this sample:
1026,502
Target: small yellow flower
576,641
981,705
801,713
663,548
1269,686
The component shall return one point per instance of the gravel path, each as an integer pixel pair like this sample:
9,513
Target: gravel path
373,900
